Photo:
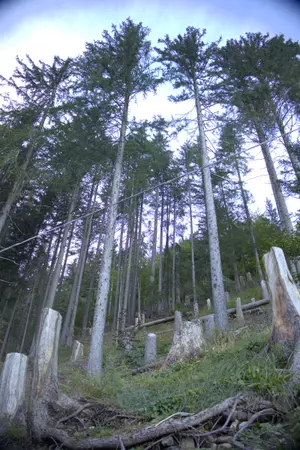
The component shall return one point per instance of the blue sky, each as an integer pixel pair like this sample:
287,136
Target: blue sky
45,28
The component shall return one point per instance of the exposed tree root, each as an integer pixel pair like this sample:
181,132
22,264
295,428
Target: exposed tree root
170,426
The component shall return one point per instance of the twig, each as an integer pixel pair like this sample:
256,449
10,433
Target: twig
121,444
182,414
79,410
268,411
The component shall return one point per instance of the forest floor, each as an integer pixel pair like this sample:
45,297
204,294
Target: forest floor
230,363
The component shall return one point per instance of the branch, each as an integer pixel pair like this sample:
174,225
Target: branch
254,418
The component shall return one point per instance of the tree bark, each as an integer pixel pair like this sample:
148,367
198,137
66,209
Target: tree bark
153,255
69,322
160,272
55,279
218,291
248,217
7,333
174,259
96,349
275,183
195,302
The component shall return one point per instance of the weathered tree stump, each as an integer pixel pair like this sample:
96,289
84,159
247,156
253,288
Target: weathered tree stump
177,321
239,313
187,342
127,342
209,325
150,348
208,304
286,308
12,389
45,397
264,290
249,279
242,282
77,351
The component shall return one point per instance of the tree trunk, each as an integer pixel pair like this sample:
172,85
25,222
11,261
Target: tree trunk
275,183
214,247
118,284
18,184
96,349
55,279
153,256
27,318
174,260
195,302
138,244
249,220
287,142
69,322
128,272
12,316
160,273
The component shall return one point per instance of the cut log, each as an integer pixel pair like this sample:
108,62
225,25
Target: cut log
12,389
150,348
187,343
249,279
77,351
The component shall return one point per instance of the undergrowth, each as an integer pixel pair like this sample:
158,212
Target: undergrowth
229,364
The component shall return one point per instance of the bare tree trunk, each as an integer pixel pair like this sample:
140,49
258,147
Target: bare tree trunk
69,322
138,244
122,285
287,142
174,259
28,315
55,279
275,183
118,284
130,234
12,316
218,292
96,349
160,273
249,221
195,302
153,256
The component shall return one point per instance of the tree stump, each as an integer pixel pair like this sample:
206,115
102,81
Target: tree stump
208,304
242,282
127,342
77,351
239,313
150,348
45,398
264,290
209,325
187,342
249,279
252,300
286,308
177,321
12,389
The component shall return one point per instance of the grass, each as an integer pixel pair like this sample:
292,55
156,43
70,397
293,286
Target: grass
229,364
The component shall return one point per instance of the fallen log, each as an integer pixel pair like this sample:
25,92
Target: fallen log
144,435
230,311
